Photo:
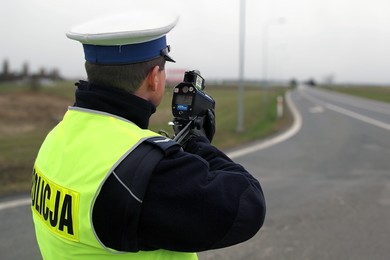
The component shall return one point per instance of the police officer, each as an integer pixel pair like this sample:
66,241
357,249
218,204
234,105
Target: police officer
105,187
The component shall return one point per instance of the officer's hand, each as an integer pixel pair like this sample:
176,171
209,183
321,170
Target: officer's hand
205,125
209,124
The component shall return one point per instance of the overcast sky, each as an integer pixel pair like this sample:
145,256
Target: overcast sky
348,40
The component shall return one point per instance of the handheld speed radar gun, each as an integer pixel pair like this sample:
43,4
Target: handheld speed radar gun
190,103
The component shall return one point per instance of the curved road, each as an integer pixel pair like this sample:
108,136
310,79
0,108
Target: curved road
326,182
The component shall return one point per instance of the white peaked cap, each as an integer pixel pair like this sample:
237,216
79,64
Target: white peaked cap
125,38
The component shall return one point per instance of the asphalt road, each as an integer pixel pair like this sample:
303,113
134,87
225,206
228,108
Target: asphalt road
327,187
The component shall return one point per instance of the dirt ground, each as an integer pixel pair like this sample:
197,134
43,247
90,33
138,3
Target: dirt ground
25,119
22,112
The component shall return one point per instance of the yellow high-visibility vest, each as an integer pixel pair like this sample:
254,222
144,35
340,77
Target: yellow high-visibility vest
72,164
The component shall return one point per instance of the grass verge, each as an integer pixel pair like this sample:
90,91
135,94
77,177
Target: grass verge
372,92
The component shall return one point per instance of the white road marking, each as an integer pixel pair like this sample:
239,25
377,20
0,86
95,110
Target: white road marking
15,203
347,112
355,101
297,124
316,110
357,116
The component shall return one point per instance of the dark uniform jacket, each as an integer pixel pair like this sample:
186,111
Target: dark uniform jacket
195,200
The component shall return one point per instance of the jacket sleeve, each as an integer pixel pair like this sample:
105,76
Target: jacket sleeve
199,200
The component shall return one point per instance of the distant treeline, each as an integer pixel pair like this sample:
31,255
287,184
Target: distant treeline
7,74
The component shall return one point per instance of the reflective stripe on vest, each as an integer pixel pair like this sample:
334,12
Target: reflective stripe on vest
72,164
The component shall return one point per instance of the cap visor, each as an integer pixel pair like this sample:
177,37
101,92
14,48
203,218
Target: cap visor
168,58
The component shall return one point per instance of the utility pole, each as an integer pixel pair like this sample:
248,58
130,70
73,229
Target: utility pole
266,26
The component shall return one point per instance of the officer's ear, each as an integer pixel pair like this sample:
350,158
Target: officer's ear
153,78
150,87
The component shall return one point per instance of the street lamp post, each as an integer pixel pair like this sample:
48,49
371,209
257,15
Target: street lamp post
240,112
